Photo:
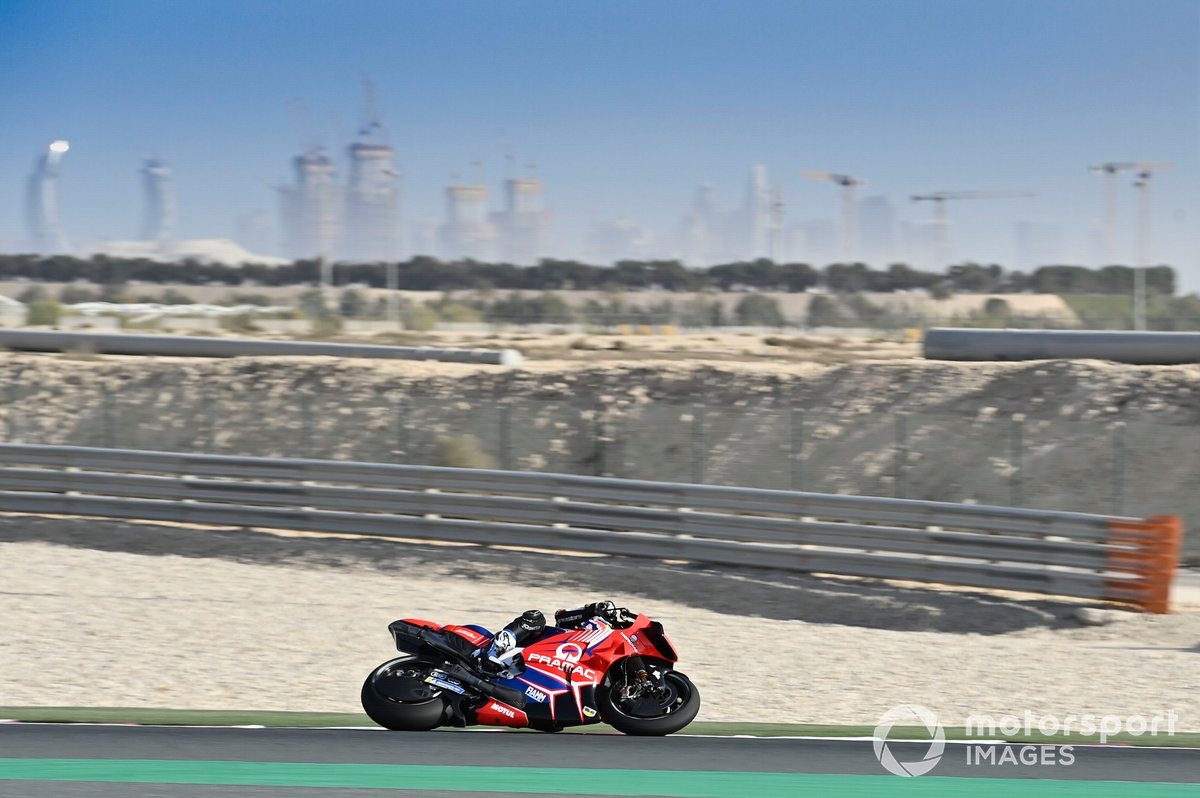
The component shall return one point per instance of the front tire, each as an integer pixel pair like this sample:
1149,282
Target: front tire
675,709
396,697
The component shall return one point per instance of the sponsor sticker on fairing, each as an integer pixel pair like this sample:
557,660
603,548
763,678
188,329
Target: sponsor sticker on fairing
503,710
536,694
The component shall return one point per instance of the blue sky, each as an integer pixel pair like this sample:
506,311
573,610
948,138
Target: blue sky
625,106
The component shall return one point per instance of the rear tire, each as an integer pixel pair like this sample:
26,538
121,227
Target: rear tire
679,709
395,697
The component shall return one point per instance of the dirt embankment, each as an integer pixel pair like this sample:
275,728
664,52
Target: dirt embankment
1081,435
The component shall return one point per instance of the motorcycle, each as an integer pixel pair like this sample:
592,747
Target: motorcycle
618,668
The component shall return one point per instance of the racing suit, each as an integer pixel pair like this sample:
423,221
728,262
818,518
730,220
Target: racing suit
530,624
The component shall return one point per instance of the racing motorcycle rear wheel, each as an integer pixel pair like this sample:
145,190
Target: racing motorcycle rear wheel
666,709
397,697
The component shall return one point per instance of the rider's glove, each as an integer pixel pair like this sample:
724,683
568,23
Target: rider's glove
504,642
573,619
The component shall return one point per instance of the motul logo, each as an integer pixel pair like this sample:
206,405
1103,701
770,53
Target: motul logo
503,710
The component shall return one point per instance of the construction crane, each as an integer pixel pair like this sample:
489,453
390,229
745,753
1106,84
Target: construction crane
941,227
848,184
775,231
1144,172
1110,170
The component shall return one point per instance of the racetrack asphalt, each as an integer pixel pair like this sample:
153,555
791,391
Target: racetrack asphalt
65,761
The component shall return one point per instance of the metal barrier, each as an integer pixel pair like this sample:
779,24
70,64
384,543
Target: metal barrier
1140,347
198,346
1072,554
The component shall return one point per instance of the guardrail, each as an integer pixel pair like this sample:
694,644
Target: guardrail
1071,554
1139,347
200,346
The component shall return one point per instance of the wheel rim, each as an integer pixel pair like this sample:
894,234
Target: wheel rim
404,683
669,699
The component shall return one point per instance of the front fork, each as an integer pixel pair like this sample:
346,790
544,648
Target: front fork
641,680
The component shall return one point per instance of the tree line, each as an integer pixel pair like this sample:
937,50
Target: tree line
423,273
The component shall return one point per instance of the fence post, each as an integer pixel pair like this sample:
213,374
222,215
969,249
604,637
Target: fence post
1118,470
1017,446
398,452
308,422
797,448
209,417
901,455
10,412
698,453
106,413
598,435
506,448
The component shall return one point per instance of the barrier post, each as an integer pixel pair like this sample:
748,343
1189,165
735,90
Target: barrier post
506,447
1118,469
797,448
1150,550
1017,445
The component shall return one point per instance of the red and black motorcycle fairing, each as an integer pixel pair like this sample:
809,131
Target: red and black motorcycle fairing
617,669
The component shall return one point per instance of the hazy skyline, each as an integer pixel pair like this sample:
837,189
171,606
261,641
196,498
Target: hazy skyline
625,107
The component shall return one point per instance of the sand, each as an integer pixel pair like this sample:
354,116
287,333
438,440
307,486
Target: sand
99,613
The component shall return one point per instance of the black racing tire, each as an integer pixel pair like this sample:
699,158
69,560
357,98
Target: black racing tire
685,703
419,714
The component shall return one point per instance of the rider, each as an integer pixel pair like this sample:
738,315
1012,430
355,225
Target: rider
530,624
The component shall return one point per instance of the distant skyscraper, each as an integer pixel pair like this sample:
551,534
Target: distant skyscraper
877,231
41,203
372,200
757,216
158,222
309,208
522,224
1037,244
699,237
466,232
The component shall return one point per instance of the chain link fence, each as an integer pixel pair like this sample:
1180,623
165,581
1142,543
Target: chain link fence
1095,465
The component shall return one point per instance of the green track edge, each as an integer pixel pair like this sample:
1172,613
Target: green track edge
564,781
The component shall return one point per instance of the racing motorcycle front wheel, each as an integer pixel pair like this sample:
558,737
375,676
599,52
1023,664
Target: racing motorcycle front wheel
650,707
397,697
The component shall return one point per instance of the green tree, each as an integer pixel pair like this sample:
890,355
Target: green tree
823,312
73,295
941,290
32,294
756,310
419,317
997,310
352,304
44,311
175,297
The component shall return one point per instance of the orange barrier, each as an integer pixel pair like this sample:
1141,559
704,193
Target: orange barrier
1150,550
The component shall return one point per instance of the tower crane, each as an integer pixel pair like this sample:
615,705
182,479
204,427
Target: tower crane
1144,172
938,198
1110,170
848,184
